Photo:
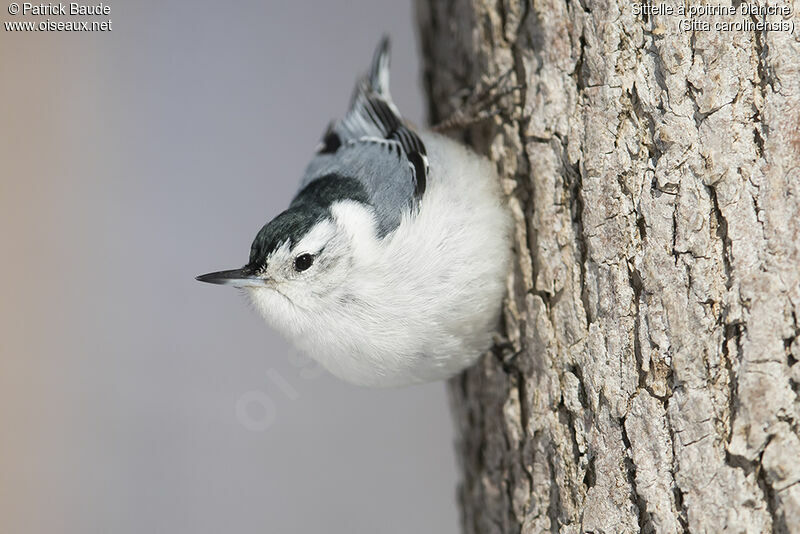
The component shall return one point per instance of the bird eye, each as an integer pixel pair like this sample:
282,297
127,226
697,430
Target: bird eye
303,262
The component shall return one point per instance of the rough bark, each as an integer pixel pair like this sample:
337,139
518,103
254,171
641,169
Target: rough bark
654,179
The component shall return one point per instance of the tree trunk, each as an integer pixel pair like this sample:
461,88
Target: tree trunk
654,179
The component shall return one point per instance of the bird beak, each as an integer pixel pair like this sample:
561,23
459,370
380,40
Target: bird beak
233,277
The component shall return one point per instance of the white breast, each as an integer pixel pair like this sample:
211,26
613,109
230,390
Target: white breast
420,304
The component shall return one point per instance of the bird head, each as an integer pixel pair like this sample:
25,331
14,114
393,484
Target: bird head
306,253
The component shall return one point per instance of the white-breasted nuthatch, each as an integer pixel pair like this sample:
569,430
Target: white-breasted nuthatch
389,265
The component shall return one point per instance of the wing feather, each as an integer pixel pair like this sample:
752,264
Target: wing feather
373,144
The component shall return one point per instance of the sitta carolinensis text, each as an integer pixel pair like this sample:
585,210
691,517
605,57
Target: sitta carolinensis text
389,265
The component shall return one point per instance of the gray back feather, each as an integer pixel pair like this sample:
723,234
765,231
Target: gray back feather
373,145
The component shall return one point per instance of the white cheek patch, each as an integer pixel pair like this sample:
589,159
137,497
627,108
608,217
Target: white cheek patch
356,219
316,238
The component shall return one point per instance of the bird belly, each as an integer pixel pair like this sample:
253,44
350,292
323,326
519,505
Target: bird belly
423,303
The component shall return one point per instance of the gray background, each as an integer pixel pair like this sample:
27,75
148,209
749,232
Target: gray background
130,162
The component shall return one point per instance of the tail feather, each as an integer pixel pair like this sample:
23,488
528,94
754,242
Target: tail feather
378,78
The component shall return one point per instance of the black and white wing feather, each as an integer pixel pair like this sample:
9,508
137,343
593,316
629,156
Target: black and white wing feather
373,145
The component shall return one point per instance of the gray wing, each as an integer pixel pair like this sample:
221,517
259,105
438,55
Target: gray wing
375,146
380,169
